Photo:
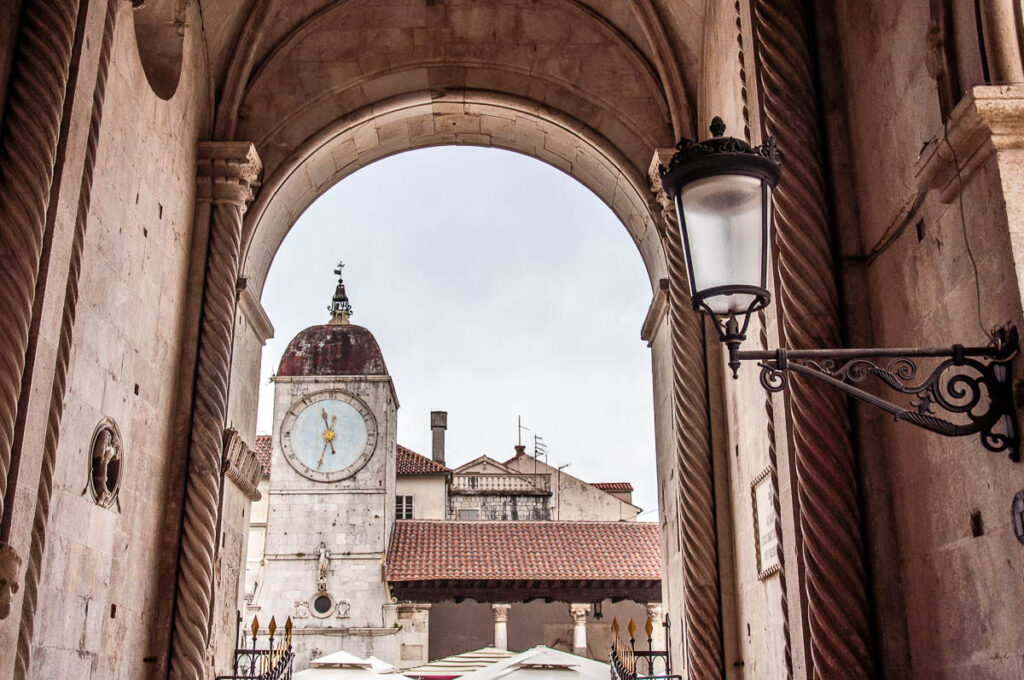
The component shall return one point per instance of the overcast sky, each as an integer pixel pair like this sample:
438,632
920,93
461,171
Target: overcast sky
496,286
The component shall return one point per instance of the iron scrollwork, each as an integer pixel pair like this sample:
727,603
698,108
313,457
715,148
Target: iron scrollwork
970,382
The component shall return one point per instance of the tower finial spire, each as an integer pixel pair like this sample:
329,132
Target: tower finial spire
340,307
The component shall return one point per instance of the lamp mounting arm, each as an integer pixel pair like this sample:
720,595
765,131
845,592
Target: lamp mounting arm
973,383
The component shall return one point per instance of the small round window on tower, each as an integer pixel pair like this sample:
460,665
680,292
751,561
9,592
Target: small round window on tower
323,604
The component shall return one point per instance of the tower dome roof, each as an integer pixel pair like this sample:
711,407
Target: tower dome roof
333,349
338,347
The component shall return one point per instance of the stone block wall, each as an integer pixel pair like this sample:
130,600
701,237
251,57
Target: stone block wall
500,507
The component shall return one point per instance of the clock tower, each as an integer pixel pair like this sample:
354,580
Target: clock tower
331,492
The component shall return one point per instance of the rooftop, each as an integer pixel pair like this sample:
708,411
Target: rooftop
409,463
613,486
332,349
263,451
436,550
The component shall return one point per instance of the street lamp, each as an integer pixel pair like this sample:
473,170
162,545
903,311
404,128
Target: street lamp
722,189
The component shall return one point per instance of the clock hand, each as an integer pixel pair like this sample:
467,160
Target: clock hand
322,452
332,446
323,412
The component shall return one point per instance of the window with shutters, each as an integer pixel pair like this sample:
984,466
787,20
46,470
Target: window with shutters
403,507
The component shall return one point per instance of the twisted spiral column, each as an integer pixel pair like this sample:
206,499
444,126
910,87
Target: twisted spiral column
832,549
38,84
57,390
769,406
702,602
226,176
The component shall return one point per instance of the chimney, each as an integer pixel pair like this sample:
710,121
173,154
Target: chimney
438,424
520,450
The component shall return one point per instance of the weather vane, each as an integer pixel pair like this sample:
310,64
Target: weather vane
340,308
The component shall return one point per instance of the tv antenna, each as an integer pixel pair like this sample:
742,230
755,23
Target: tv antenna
521,427
539,447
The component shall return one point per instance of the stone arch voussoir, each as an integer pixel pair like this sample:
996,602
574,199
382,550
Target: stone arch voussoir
422,120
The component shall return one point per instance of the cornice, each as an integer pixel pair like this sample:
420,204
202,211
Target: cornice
989,118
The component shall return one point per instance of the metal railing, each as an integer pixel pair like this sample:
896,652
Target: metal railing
501,482
272,660
629,663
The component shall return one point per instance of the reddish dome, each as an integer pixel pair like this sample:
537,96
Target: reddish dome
333,349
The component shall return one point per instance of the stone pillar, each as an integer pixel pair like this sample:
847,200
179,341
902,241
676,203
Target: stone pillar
227,173
1002,42
579,628
656,613
500,625
28,152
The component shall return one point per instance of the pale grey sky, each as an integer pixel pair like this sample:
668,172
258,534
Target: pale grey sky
496,286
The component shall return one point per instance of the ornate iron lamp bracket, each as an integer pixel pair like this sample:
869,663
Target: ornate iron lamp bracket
973,383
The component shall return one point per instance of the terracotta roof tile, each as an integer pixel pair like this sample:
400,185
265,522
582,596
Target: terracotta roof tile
263,451
426,550
411,463
613,486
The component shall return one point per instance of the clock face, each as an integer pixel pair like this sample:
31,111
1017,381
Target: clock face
328,435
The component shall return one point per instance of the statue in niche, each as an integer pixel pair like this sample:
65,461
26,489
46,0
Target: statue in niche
342,610
301,610
323,561
105,463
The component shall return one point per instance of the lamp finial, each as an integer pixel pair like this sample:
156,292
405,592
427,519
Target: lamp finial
717,126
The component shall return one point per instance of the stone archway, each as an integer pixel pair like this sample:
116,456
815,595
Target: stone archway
320,96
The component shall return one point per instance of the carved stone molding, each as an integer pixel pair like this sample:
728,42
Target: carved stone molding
58,387
656,313
28,148
256,315
241,465
807,297
988,119
226,176
702,613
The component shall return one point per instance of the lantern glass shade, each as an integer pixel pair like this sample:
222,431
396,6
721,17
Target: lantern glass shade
725,220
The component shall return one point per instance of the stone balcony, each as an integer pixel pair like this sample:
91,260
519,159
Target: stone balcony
501,483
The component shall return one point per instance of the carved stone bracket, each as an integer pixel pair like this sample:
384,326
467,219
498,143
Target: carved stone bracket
241,465
226,176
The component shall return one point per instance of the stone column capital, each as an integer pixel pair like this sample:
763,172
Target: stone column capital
579,612
500,612
227,172
656,611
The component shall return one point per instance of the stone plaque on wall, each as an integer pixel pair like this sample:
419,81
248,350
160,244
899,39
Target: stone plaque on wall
766,544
